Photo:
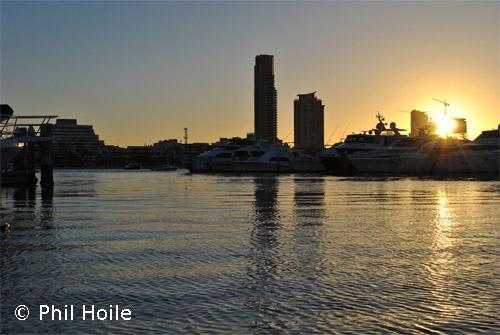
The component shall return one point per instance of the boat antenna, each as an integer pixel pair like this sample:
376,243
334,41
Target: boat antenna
333,132
445,105
380,117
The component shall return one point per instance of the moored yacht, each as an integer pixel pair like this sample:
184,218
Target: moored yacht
249,155
397,158
440,156
337,158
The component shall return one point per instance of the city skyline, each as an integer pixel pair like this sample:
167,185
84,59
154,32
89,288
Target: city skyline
141,72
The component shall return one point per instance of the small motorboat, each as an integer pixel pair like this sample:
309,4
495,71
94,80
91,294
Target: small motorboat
164,168
132,166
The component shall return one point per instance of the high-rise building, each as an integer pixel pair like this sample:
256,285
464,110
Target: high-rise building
419,121
309,123
265,104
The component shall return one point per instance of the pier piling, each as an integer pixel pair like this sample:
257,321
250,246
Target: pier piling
46,159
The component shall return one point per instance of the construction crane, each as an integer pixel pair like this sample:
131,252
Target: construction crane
445,105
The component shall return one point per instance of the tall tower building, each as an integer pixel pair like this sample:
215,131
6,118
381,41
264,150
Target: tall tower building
419,120
265,104
309,123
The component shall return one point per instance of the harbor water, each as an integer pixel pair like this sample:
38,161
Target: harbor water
231,254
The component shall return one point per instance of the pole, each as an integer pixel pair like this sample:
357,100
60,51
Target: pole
46,160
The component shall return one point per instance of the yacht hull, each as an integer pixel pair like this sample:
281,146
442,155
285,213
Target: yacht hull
420,164
337,165
257,167
457,163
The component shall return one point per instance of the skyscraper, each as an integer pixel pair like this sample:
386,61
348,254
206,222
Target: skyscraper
265,109
309,123
419,121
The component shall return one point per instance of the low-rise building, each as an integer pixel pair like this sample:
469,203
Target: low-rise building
74,144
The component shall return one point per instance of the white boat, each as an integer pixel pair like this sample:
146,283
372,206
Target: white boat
386,160
248,155
337,158
437,157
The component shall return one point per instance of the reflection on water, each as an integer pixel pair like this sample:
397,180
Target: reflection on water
263,237
310,216
22,207
264,253
442,259
254,254
443,225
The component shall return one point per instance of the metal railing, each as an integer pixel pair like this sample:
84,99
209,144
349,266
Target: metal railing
9,123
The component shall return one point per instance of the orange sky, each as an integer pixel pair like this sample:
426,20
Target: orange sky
141,72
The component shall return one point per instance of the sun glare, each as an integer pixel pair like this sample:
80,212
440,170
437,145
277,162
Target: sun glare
444,125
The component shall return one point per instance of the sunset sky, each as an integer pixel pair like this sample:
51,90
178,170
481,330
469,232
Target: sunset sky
142,71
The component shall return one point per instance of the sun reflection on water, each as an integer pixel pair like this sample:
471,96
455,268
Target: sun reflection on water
443,223
442,262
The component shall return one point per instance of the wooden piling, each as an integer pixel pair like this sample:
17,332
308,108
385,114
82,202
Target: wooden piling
46,157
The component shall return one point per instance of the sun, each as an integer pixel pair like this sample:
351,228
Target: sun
444,125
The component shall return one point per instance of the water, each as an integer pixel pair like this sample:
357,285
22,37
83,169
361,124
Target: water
254,254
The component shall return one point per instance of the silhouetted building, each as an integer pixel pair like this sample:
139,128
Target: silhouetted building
173,152
265,104
309,123
75,144
419,121
460,126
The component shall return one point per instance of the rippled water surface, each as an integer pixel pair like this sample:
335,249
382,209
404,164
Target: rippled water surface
254,254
